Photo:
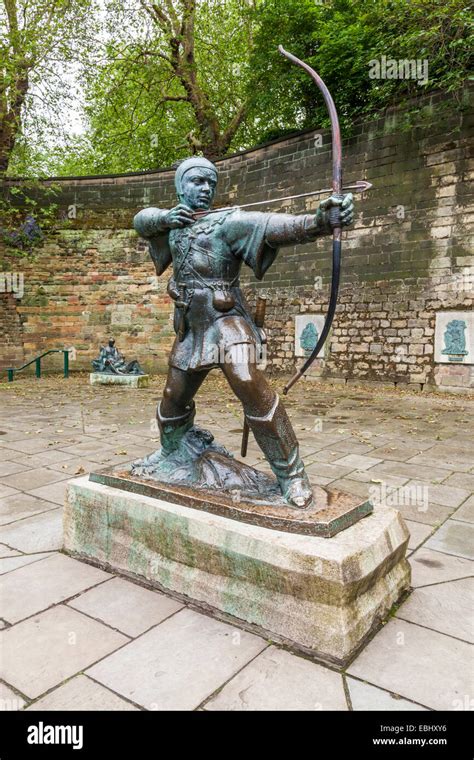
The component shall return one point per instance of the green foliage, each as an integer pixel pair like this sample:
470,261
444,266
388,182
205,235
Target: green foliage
339,39
140,115
27,213
40,41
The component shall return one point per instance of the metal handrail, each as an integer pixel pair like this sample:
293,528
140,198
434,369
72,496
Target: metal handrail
37,361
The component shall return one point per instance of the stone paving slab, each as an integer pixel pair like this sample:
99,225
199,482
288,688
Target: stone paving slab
355,426
45,650
373,478
323,456
428,566
114,456
75,466
24,481
85,448
364,696
454,537
37,586
451,452
412,471
11,467
332,471
357,462
41,533
9,699
54,493
419,532
448,462
351,486
8,455
13,563
425,666
445,607
7,490
81,693
5,551
21,505
466,512
28,445
397,452
179,663
461,480
412,506
279,680
15,432
126,606
350,446
446,496
44,458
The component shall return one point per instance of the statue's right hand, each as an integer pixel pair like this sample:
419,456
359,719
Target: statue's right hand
179,216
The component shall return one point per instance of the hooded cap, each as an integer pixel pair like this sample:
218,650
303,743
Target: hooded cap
191,163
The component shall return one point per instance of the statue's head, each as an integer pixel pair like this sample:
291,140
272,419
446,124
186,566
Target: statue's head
195,181
111,342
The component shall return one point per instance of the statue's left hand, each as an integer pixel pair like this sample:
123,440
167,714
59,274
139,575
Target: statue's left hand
346,210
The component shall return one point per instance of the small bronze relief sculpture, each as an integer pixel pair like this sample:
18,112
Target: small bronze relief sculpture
112,362
455,340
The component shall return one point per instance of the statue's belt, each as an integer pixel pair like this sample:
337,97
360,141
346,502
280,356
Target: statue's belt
223,299
212,283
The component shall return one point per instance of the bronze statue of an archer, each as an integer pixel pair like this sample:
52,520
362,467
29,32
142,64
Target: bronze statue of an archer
206,253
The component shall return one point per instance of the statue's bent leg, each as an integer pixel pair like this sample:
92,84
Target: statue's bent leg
272,429
175,413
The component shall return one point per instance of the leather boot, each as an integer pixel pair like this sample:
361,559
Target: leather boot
276,437
172,429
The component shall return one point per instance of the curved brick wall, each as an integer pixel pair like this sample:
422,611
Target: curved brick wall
408,256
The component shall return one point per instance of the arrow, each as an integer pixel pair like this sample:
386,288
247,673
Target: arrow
361,186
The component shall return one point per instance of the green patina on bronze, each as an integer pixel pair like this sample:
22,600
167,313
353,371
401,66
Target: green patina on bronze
331,510
112,362
214,329
455,340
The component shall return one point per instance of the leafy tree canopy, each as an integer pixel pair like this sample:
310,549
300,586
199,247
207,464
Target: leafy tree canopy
164,79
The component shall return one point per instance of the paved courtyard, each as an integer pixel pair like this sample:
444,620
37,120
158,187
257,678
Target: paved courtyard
76,637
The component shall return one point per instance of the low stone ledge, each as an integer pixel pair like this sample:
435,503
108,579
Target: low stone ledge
131,381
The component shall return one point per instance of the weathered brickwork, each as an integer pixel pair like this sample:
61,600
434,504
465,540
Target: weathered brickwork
408,255
10,330
92,284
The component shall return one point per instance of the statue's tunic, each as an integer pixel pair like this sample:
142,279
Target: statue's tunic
211,314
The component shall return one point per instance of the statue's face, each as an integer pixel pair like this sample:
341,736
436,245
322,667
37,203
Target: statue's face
111,343
198,188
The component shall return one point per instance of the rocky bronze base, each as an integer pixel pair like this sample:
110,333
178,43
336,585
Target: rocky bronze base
202,474
331,511
107,378
321,597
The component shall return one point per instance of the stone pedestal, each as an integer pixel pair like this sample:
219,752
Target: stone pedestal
131,381
322,596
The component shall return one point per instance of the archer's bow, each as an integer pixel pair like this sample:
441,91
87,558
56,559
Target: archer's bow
333,213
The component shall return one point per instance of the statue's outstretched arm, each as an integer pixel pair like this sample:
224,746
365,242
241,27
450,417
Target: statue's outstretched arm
150,221
288,229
